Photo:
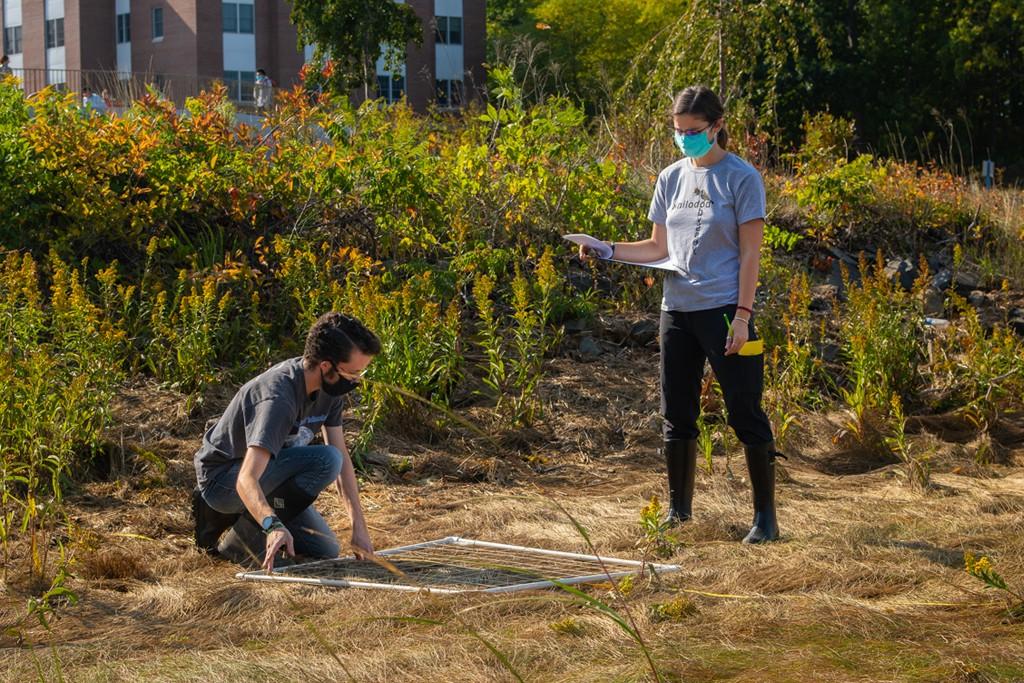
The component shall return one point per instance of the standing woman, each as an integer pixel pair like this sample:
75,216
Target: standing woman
708,212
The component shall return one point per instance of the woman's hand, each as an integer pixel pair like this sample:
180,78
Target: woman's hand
590,252
739,333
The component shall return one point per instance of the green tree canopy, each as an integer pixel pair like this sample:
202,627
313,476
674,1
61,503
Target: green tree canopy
353,34
936,80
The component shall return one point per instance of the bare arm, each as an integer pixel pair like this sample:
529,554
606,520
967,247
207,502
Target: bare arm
643,251
751,236
248,484
348,489
248,487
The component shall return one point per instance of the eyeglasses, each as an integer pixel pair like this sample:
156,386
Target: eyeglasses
689,131
351,376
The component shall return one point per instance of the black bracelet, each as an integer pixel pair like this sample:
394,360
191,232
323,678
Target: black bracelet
612,245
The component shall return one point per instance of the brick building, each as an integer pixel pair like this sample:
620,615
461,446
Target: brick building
188,43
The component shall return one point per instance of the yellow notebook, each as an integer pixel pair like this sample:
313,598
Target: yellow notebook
752,348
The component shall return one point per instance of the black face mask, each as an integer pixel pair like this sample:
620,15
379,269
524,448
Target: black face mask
337,388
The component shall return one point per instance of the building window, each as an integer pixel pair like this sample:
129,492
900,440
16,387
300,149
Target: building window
245,18
449,93
241,85
449,30
390,87
238,17
12,40
124,28
229,12
55,32
158,23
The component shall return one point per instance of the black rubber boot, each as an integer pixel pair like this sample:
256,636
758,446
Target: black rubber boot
210,524
245,544
289,500
761,467
681,462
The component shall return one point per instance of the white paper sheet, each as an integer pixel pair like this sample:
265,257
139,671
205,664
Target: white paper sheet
604,251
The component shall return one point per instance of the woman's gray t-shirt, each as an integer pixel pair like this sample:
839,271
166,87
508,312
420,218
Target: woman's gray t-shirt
702,209
271,411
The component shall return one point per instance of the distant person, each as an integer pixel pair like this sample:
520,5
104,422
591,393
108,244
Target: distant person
263,92
258,473
708,216
108,101
93,103
5,67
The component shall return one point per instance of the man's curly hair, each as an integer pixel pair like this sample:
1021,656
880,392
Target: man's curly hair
334,335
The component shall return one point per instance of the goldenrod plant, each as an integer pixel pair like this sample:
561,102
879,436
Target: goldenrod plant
981,568
658,540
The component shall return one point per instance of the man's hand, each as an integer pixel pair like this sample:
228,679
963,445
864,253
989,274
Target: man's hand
277,539
362,546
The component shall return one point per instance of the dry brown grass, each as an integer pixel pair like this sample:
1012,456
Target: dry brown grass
867,583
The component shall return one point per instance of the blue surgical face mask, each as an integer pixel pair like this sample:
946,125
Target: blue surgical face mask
695,145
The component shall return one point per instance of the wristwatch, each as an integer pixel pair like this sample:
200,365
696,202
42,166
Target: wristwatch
271,523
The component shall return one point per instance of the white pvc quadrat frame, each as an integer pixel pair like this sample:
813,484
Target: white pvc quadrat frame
636,567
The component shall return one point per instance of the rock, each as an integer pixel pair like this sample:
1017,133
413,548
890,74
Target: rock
902,269
836,278
822,297
829,352
576,326
966,282
589,348
936,323
378,458
934,302
943,279
1017,325
940,260
643,332
976,298
581,282
1017,313
847,258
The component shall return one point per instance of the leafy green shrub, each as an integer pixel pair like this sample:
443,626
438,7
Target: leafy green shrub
882,343
59,369
969,366
186,328
421,346
835,199
827,140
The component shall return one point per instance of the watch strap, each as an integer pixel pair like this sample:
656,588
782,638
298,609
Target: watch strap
273,524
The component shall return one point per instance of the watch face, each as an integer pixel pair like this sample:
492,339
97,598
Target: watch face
268,521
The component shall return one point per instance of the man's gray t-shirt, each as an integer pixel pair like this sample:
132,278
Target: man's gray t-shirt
702,209
268,411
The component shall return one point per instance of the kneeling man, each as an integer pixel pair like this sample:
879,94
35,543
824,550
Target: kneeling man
257,472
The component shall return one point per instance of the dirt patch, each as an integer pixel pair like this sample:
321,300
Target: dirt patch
856,460
114,564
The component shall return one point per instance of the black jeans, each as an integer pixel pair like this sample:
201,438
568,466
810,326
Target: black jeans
687,340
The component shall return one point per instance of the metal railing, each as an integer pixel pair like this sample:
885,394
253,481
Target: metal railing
120,89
